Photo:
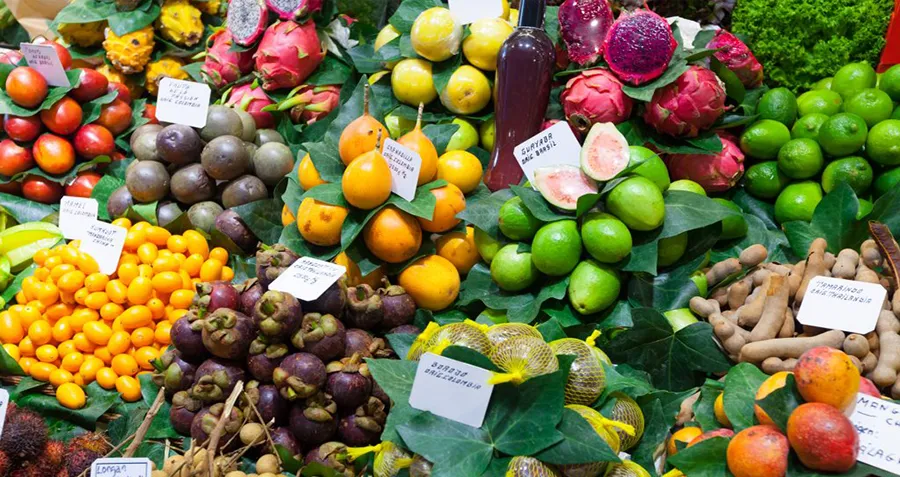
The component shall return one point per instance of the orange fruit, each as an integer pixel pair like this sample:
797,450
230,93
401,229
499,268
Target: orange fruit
432,282
719,410
684,435
459,248
307,174
460,168
419,142
366,182
450,201
827,375
287,218
773,382
758,451
320,223
361,135
393,235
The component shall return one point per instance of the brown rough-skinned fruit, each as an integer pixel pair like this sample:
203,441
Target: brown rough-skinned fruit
823,438
758,451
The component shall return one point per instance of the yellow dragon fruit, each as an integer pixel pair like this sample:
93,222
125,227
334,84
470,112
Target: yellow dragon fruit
179,21
84,35
129,53
209,7
167,66
115,76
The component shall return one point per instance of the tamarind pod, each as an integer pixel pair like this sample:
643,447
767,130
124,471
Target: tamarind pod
776,365
720,295
815,266
866,274
721,271
829,260
845,267
870,254
856,345
796,277
895,302
886,283
748,315
738,292
872,338
869,362
757,289
703,307
778,268
686,410
887,323
772,318
753,255
757,351
885,372
787,329
809,330
728,334
856,362
759,276
890,251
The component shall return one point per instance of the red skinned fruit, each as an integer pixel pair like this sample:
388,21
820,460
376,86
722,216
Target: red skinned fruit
11,57
693,103
12,188
150,113
83,184
738,58
222,65
14,158
53,154
758,451
91,86
124,92
65,58
40,189
823,437
715,172
246,20
253,100
723,432
64,117
22,129
866,386
26,87
639,46
312,103
93,140
595,96
583,25
115,116
287,54
294,9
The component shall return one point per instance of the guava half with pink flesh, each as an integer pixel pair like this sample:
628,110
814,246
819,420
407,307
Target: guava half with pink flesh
563,185
605,152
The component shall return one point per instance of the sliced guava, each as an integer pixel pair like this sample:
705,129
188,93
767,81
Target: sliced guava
563,185
605,153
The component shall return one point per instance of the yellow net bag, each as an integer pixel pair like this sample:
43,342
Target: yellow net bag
499,333
467,334
521,466
587,379
522,358
627,410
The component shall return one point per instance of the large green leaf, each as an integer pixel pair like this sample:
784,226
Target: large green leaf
24,210
834,220
705,459
440,134
656,429
536,204
704,408
580,444
741,384
99,401
484,213
455,449
263,217
780,403
521,307
775,241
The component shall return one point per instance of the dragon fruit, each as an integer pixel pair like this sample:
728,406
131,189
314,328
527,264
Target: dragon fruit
715,172
583,25
253,100
550,122
293,9
595,96
247,20
689,105
222,65
311,103
639,46
738,58
288,53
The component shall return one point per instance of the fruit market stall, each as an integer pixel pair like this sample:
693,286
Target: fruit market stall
335,238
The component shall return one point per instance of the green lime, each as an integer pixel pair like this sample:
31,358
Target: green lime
764,138
853,170
822,101
733,226
671,249
487,246
556,248
687,185
464,138
800,158
516,221
638,202
883,143
865,208
887,181
824,83
890,82
779,104
651,166
605,237
871,104
680,318
765,180
593,287
398,126
853,78
797,201
487,134
808,126
512,270
843,134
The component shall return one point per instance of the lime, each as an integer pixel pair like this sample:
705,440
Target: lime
819,101
824,83
883,143
853,170
487,246
671,249
896,113
865,208
487,133
593,287
800,158
605,237
638,202
765,180
808,126
687,185
764,138
513,271
853,78
733,226
843,134
798,201
556,248
516,221
464,138
398,126
886,181
890,82
651,166
871,104
680,318
778,104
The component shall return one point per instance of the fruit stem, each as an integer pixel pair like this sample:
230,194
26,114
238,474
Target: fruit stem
419,116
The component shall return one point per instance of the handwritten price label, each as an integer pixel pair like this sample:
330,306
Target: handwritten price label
404,164
182,102
121,467
75,215
451,389
837,304
470,11
45,60
308,278
554,146
878,423
104,242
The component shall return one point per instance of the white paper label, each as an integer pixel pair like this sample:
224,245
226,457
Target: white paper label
4,403
878,423
182,102
554,146
75,215
308,278
838,304
451,389
405,164
45,60
121,467
104,242
468,11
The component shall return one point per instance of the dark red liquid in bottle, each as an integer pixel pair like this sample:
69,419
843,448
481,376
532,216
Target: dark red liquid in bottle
524,70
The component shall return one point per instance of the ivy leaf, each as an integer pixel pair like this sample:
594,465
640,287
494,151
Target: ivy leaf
329,193
705,459
331,72
551,330
443,71
8,365
764,211
263,217
741,384
454,448
408,11
484,213
522,307
24,210
645,92
326,160
99,401
394,376
654,436
536,204
290,238
780,403
625,379
440,135
774,240
834,220
670,290
122,23
580,443
423,202
704,408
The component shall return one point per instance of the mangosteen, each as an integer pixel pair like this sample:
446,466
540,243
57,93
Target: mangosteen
203,215
265,398
167,212
360,342
187,340
365,309
262,365
175,374
231,224
119,202
207,419
314,420
225,158
363,427
251,290
405,330
332,455
214,295
227,333
321,335
264,136
221,121
349,383
243,190
331,302
178,144
144,148
191,184
272,162
277,314
399,307
151,129
215,379
300,375
184,409
379,394
282,436
248,125
271,262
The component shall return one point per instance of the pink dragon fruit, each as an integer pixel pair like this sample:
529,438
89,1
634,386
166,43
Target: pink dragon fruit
738,58
595,96
550,122
311,103
222,65
583,25
687,106
246,20
288,53
639,46
253,100
715,172
11,57
294,9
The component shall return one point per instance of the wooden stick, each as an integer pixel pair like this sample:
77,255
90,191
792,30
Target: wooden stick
145,426
220,426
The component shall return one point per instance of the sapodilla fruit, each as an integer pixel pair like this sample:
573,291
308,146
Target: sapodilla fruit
823,437
287,54
419,142
758,451
361,135
639,46
366,182
246,20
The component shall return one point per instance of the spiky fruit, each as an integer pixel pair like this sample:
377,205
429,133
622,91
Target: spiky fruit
247,20
210,7
692,103
222,65
115,76
583,25
294,9
312,103
715,172
84,35
165,67
563,185
639,46
129,53
288,53
738,58
253,100
595,96
93,441
55,454
24,435
179,21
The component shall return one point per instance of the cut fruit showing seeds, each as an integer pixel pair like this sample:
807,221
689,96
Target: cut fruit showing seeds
247,20
605,153
563,185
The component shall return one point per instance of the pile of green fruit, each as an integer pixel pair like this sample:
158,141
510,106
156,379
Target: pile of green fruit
845,130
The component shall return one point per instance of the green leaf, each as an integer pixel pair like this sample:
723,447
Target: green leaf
636,132
551,23
741,384
423,202
8,365
667,291
125,22
24,210
734,88
99,401
520,307
645,92
455,449
539,207
440,135
330,72
887,210
580,444
400,343
780,403
705,459
834,220
263,217
10,293
655,432
91,109
551,330
625,379
330,193
408,11
54,94
485,212
394,376
764,211
26,385
704,408
443,71
774,240
326,159
290,238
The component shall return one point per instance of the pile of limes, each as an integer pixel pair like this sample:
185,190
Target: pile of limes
845,130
